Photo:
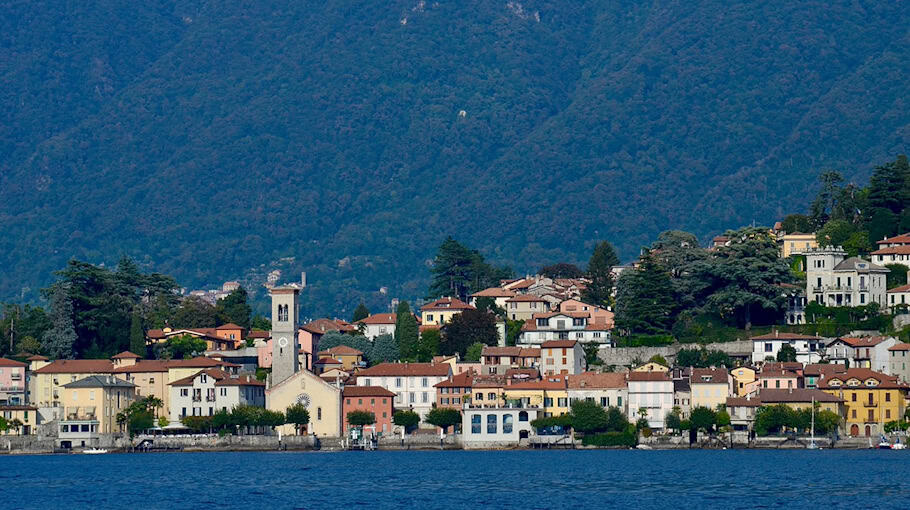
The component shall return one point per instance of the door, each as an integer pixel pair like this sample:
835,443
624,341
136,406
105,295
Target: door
854,430
868,431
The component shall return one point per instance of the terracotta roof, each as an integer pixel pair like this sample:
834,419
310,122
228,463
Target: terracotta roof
817,369
188,380
327,361
144,366
491,350
127,355
366,391
776,374
550,383
6,362
493,292
37,357
866,341
862,375
406,370
17,408
462,380
784,336
902,288
320,326
743,402
902,238
708,376
240,380
556,344
900,347
589,380
649,376
573,315
428,327
379,318
77,366
526,298
522,373
793,366
199,362
775,396
529,352
893,250
341,350
229,325
447,303
258,334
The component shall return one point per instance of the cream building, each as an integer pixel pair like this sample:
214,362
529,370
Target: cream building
50,379
523,307
710,387
607,389
834,280
212,390
441,311
91,405
797,243
321,399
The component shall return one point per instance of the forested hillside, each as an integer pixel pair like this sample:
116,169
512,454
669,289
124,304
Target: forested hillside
204,138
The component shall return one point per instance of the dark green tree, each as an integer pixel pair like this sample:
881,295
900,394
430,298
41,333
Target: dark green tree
466,328
644,299
443,417
825,201
897,276
786,353
797,223
702,418
361,418
361,312
459,271
488,304
234,308
194,312
428,345
474,352
384,349
588,417
60,339
835,233
137,336
561,270
406,419
600,290
407,335
260,323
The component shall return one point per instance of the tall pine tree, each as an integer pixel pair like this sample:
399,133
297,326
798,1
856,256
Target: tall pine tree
137,336
59,341
645,300
599,291
406,331
361,312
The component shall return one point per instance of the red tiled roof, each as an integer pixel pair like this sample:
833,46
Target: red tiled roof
188,380
594,380
492,350
258,334
127,355
240,380
529,352
862,375
708,376
6,362
866,341
321,326
902,238
379,318
37,357
341,350
493,292
817,369
776,396
200,362
406,370
556,344
526,298
144,366
550,383
328,361
77,366
229,325
522,373
743,402
649,376
893,250
902,288
900,347
366,391
447,303
462,380
574,315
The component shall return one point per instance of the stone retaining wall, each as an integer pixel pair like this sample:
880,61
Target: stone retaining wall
626,355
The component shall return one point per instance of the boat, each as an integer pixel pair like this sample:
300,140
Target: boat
94,451
883,443
898,445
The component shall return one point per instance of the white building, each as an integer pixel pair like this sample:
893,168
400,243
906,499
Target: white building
412,383
378,324
834,280
899,297
209,391
862,352
893,250
653,392
564,326
484,427
562,357
607,389
497,294
809,349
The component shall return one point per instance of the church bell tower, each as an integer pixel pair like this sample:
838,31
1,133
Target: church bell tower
284,333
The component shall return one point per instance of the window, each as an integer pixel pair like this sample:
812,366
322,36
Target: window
366,382
151,380
542,322
547,402
887,396
398,382
423,397
491,396
507,424
360,401
854,414
223,392
423,382
853,396
768,347
475,424
618,401
562,401
412,398
887,413
203,378
429,317
491,424
523,416
578,322
348,401
318,413
443,401
605,401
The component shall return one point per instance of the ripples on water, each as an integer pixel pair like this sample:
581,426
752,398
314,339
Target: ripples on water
527,480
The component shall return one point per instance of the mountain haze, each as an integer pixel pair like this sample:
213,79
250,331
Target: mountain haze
207,138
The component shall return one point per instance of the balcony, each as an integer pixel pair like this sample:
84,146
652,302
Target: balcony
868,403
16,376
12,389
210,398
197,398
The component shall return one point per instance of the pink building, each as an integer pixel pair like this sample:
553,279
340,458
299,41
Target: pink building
12,382
309,334
264,353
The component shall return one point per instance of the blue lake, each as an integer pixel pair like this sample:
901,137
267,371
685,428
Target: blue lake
589,479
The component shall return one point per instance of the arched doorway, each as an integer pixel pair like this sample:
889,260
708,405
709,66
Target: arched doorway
523,434
854,430
868,431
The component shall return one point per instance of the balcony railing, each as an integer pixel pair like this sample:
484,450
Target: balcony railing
12,388
870,404
16,376
197,398
210,398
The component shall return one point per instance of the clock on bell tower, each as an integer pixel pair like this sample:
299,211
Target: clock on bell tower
284,333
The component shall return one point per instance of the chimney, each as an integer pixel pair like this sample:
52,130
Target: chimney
776,333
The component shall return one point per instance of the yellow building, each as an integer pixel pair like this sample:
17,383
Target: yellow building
802,398
349,357
871,399
651,366
321,399
441,311
744,381
797,243
710,387
551,395
91,406
27,416
49,379
149,376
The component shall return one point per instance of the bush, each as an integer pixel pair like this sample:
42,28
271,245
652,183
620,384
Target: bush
626,438
644,341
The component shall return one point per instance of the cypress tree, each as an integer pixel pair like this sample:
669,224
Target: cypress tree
406,332
60,339
137,336
599,291
361,312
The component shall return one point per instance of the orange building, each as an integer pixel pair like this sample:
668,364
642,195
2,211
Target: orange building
373,399
453,391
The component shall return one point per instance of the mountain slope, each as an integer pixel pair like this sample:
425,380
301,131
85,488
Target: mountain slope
354,135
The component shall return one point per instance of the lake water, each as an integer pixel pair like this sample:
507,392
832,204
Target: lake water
586,479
